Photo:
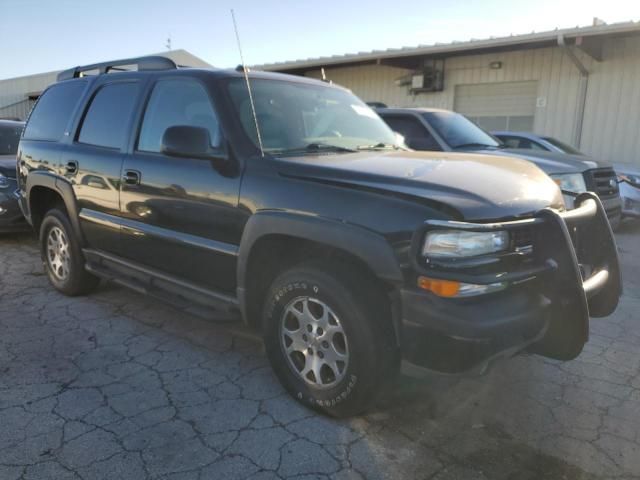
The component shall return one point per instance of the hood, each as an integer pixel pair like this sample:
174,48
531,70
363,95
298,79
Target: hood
8,165
480,187
626,168
553,162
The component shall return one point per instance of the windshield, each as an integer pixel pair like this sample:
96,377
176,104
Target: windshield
563,146
458,131
299,117
9,139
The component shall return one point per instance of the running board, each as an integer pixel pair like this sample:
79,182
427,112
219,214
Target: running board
185,296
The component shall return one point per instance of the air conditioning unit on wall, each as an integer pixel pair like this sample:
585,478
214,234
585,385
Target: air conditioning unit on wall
429,78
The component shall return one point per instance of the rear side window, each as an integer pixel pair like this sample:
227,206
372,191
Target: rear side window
52,112
177,102
107,119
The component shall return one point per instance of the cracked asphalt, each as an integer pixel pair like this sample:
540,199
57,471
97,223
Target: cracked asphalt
117,386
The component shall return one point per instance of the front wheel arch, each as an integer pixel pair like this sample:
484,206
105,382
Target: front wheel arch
274,241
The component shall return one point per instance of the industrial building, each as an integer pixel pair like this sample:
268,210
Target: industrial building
581,85
17,95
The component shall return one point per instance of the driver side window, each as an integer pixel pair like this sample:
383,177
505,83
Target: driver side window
177,102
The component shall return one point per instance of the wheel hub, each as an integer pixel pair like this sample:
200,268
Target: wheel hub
58,253
314,342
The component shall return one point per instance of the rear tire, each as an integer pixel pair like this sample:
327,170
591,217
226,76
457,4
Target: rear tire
62,256
328,337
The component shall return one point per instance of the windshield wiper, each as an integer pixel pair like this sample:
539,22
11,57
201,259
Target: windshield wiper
379,146
314,147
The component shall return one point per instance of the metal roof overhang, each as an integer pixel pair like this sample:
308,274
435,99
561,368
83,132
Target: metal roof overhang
589,39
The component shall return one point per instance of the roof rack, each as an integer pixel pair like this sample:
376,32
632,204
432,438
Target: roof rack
150,63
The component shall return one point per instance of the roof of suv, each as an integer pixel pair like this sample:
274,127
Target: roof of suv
218,73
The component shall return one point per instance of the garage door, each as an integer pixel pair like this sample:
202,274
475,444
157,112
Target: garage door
498,106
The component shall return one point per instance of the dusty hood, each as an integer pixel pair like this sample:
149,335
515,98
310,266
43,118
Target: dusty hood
478,186
553,162
8,165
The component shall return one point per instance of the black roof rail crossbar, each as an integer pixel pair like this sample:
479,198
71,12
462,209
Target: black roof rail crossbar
154,62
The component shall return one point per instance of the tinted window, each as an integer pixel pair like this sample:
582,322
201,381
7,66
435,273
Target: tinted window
105,123
521,142
177,102
53,110
458,131
416,135
9,138
563,146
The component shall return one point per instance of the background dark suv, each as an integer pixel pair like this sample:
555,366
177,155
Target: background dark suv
443,130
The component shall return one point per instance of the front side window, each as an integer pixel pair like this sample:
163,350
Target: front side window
295,117
563,146
458,131
9,138
520,142
107,119
176,102
53,110
415,134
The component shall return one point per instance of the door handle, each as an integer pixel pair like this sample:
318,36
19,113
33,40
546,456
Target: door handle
71,167
131,177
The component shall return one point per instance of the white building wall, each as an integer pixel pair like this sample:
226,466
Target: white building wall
612,116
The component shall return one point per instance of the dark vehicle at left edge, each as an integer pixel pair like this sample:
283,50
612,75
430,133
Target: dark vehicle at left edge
11,218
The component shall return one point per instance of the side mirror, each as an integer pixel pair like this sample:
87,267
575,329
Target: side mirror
188,141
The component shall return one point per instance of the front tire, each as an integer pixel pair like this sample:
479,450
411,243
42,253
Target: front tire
328,337
62,256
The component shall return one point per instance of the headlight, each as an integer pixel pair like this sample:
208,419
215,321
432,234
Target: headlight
571,182
4,182
460,243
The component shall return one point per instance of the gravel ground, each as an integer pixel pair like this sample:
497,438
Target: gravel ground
116,386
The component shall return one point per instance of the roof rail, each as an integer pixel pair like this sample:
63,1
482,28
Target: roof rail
153,62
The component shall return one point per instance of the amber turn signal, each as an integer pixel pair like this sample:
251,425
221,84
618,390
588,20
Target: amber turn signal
442,288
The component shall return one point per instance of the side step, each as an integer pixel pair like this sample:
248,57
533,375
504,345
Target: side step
184,296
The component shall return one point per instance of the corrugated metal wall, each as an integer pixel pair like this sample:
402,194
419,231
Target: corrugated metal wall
612,118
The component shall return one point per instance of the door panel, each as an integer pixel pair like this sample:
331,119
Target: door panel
180,215
96,185
94,163
182,219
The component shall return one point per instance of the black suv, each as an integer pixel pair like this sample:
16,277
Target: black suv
295,209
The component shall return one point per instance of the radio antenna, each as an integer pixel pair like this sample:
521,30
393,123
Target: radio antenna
246,79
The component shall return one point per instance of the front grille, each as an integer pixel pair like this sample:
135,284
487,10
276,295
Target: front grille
522,237
602,181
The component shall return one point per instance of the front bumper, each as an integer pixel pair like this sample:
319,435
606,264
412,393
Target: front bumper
570,271
11,218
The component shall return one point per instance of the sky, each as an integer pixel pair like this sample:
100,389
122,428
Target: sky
44,35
